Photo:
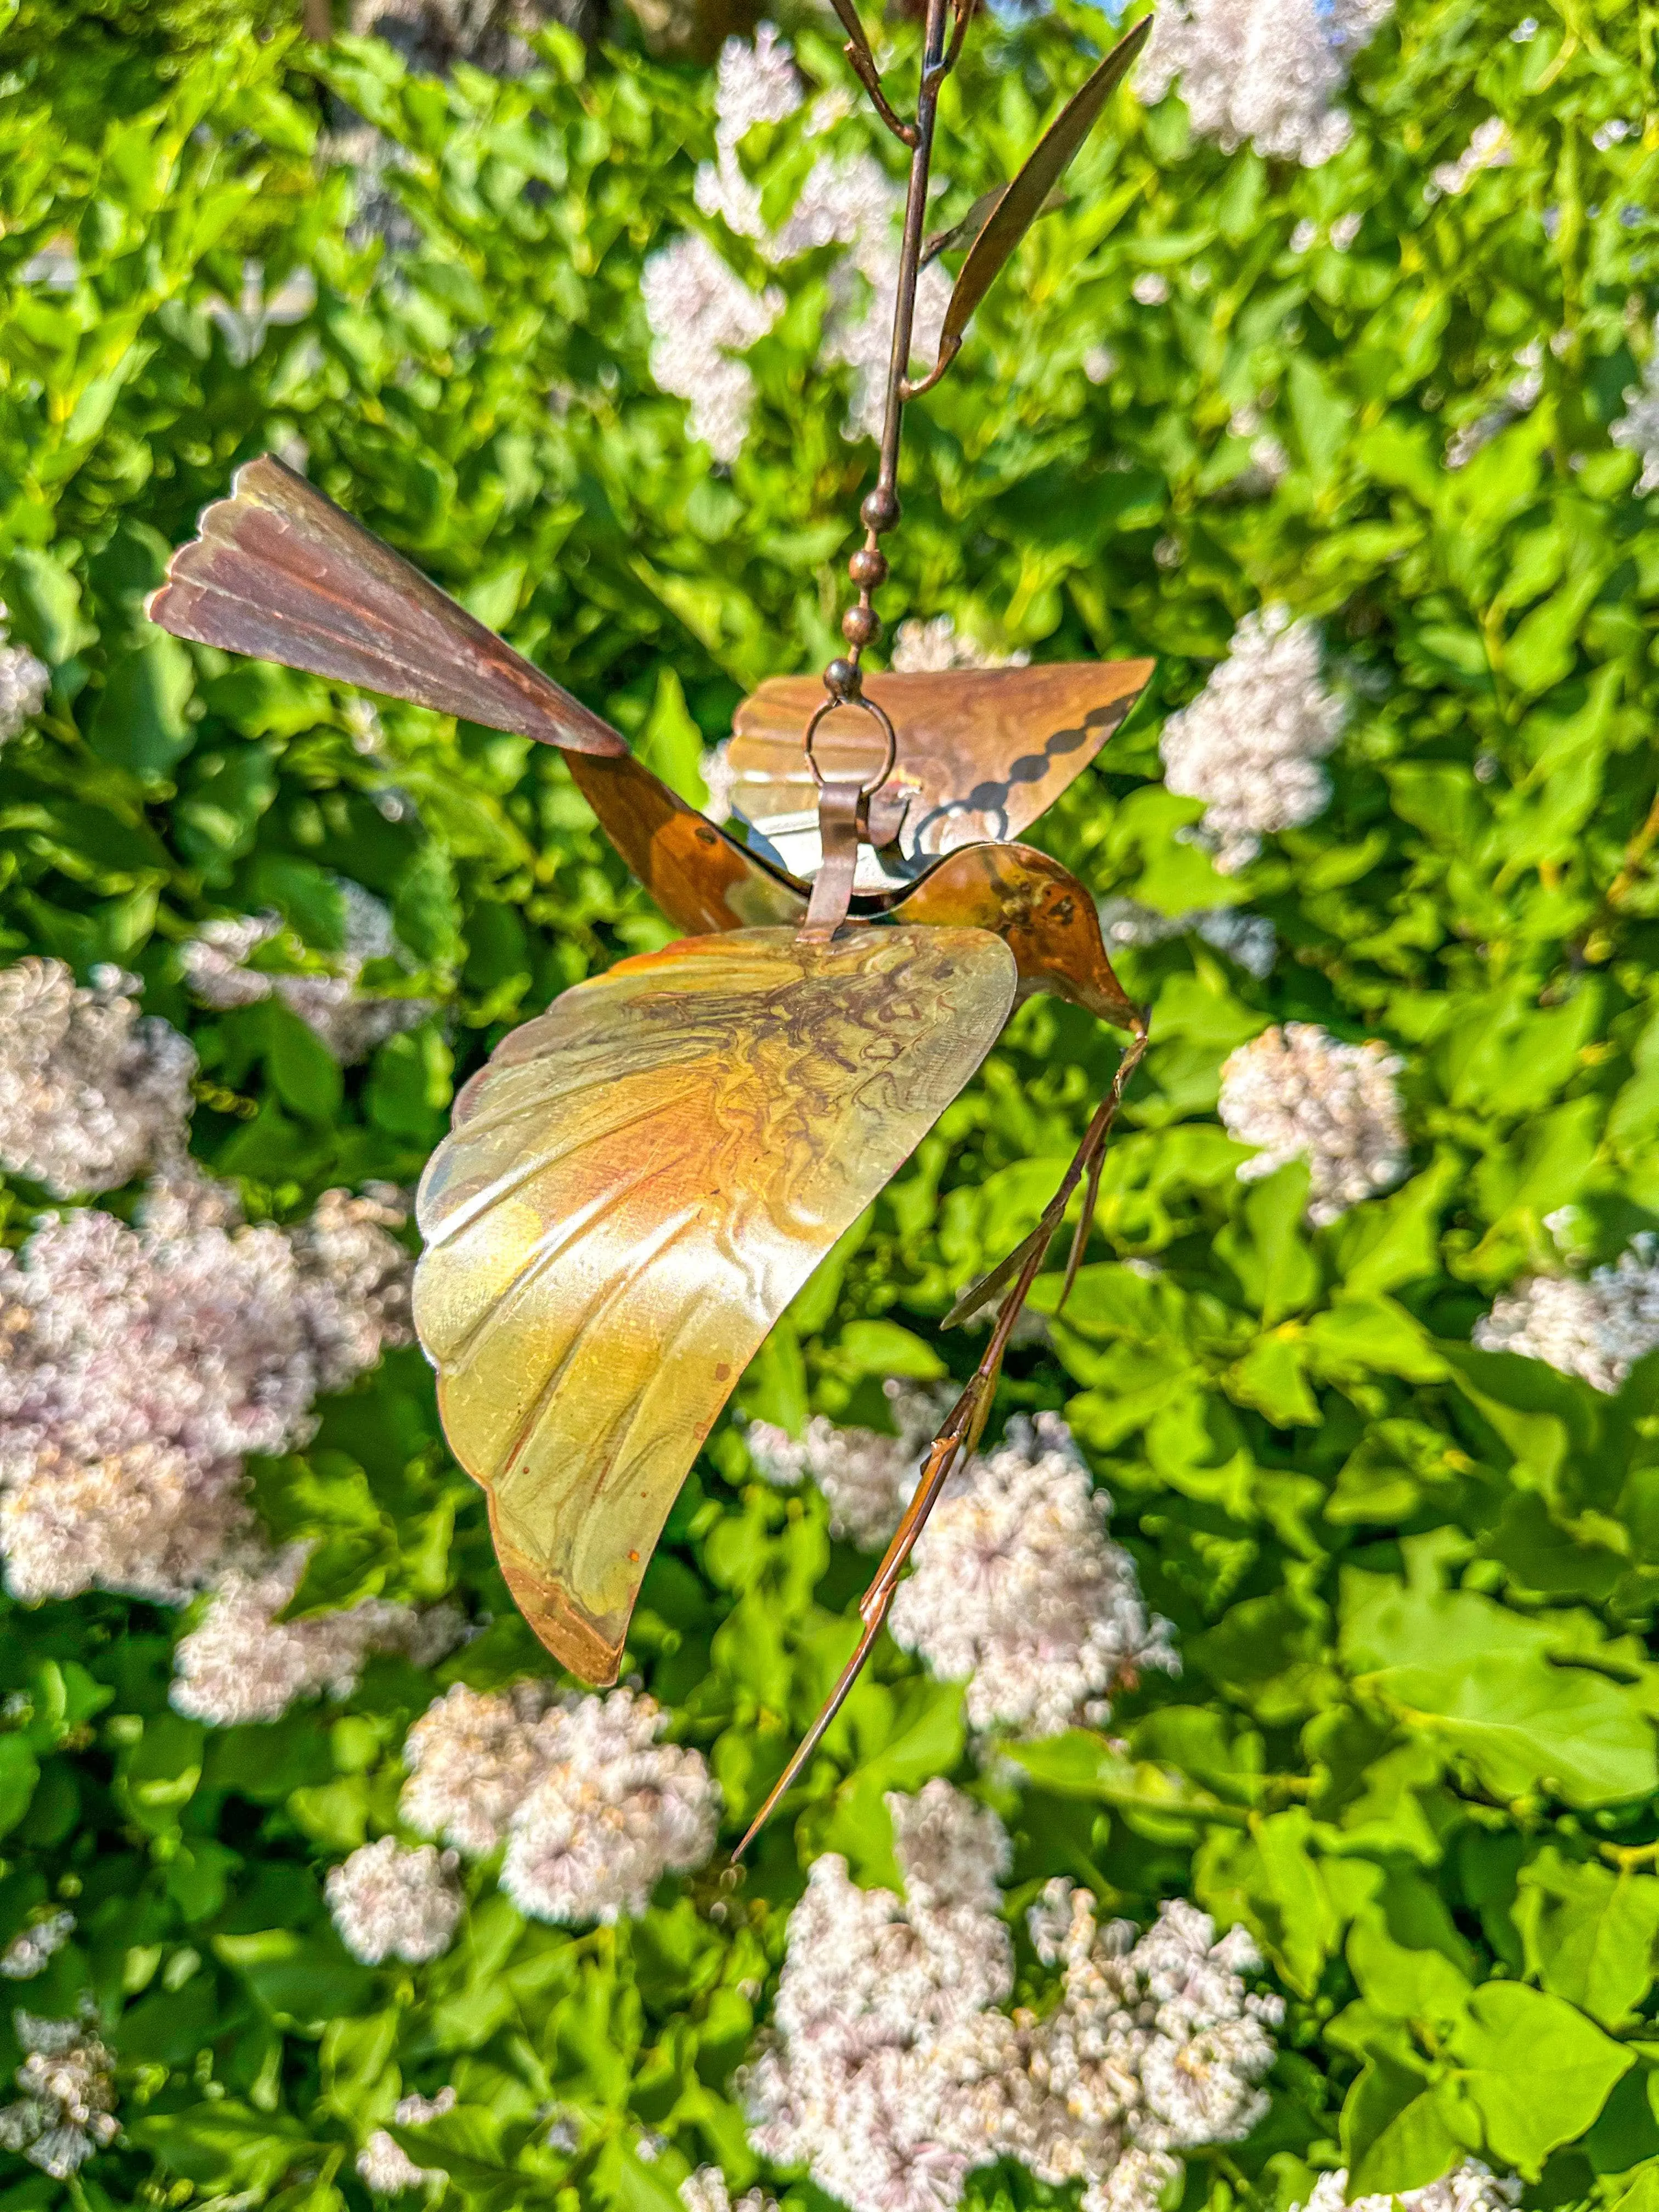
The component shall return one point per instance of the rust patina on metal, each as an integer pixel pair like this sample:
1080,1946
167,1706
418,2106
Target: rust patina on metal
641,1179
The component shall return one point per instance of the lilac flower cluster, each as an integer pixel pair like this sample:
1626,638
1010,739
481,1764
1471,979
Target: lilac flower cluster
702,313
891,2070
142,1363
592,1809
1265,70
91,1094
1298,1093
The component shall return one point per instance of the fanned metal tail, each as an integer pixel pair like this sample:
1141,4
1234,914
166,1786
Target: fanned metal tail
280,572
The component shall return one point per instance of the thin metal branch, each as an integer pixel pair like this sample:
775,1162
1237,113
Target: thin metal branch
864,68
880,510
947,354
963,1427
915,208
980,1295
953,54
814,1737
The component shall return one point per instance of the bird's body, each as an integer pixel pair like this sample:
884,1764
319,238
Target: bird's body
640,1179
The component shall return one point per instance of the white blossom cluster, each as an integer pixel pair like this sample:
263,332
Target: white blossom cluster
390,1902
1298,1093
473,1757
1596,1326
1637,427
242,1663
26,1954
705,2190
703,316
1251,744
67,2110
141,1365
23,682
592,1809
350,1022
1489,147
701,313
754,83
1020,1591
867,1477
933,647
385,2166
1016,1586
1470,2187
891,2073
91,1095
1248,939
1267,70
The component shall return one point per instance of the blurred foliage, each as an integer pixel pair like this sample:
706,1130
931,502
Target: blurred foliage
1414,1748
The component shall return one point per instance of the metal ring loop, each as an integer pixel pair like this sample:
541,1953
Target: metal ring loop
872,784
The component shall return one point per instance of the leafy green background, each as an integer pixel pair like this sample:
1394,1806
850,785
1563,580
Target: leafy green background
1414,1747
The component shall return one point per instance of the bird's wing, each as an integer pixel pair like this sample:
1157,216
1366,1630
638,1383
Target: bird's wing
982,752
635,1187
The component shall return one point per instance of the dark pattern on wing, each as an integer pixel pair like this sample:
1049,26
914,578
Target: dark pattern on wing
982,752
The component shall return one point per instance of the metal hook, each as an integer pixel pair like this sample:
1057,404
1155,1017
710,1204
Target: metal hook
871,784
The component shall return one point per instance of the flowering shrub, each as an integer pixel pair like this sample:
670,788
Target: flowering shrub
1255,1800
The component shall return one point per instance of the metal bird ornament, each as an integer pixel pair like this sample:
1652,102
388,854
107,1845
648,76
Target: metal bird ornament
642,1178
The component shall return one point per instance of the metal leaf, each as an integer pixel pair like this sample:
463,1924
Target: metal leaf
947,241
1019,206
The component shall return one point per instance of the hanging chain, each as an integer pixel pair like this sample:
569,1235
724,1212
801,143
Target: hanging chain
843,679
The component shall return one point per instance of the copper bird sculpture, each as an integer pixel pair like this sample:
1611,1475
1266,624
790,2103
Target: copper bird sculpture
640,1179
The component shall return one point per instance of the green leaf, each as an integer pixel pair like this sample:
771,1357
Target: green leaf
1524,1725
671,744
141,721
1398,2131
883,1348
1081,1764
1589,1933
1273,1377
1266,1249
302,1980
1270,1879
19,1770
1534,2069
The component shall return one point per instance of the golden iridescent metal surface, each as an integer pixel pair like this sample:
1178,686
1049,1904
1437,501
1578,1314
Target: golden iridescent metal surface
635,1187
1040,910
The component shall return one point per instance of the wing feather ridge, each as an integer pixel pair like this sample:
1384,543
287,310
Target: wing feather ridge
279,572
